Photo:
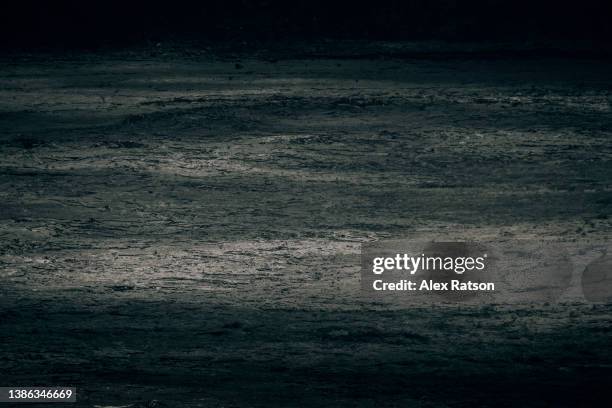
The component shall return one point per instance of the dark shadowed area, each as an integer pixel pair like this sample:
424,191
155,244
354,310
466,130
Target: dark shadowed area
96,23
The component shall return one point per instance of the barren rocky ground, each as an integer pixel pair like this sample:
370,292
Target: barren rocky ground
186,230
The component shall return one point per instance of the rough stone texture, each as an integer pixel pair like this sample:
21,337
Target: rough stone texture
186,231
